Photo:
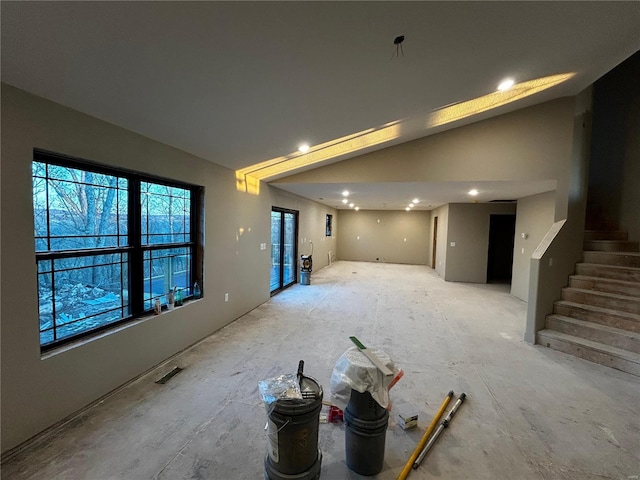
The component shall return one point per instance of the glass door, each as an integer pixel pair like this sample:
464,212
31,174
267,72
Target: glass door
284,242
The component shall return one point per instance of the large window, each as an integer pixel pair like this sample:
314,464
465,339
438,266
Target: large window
108,244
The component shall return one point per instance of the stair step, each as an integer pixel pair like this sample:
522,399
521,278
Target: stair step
600,315
624,259
602,299
610,245
605,235
593,351
631,274
603,284
614,337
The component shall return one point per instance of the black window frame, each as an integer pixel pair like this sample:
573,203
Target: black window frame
328,231
135,248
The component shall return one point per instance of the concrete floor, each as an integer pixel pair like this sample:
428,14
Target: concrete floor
531,412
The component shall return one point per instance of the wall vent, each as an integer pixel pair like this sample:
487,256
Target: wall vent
168,376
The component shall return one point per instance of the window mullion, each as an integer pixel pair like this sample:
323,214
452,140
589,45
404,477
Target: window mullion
136,272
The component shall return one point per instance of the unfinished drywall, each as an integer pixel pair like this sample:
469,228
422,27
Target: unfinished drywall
534,217
468,239
38,391
384,236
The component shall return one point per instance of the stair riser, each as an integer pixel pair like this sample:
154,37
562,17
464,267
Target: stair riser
612,259
590,354
598,317
604,286
608,272
596,235
631,304
610,246
619,339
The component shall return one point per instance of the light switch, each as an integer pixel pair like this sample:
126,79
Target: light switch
453,244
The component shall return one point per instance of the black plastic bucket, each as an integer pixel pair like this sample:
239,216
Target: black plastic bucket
364,407
364,442
293,425
270,473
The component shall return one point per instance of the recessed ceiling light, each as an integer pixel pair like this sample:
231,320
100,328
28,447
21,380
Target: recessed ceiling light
473,192
351,205
407,209
304,148
357,208
411,205
345,193
415,200
344,200
506,84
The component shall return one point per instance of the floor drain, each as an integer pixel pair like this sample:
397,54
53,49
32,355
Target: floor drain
165,378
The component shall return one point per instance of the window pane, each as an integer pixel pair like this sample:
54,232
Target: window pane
45,301
86,293
166,213
76,209
165,269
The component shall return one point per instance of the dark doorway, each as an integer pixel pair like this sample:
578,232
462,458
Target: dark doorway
502,229
435,242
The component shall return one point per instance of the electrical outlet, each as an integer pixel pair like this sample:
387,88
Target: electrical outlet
226,297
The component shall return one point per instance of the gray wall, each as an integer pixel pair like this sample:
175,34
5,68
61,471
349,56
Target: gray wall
534,217
553,262
614,179
311,227
384,236
529,144
469,229
39,391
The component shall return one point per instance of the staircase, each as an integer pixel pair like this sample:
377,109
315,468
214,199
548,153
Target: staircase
598,316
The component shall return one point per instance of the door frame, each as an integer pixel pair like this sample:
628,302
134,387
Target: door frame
296,214
435,242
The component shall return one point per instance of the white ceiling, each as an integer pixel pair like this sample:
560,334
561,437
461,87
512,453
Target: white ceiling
238,83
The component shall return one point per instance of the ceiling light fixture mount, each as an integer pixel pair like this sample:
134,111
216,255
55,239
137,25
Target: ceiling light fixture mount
398,43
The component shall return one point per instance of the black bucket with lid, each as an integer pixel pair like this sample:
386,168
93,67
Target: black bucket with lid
292,434
364,443
364,407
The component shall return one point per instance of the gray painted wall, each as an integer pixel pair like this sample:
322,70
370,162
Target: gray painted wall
534,217
40,391
311,227
468,229
384,236
529,144
614,178
552,265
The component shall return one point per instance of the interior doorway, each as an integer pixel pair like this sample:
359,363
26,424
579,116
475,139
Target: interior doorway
435,242
284,248
502,229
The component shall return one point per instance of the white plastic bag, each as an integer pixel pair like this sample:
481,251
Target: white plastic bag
354,370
